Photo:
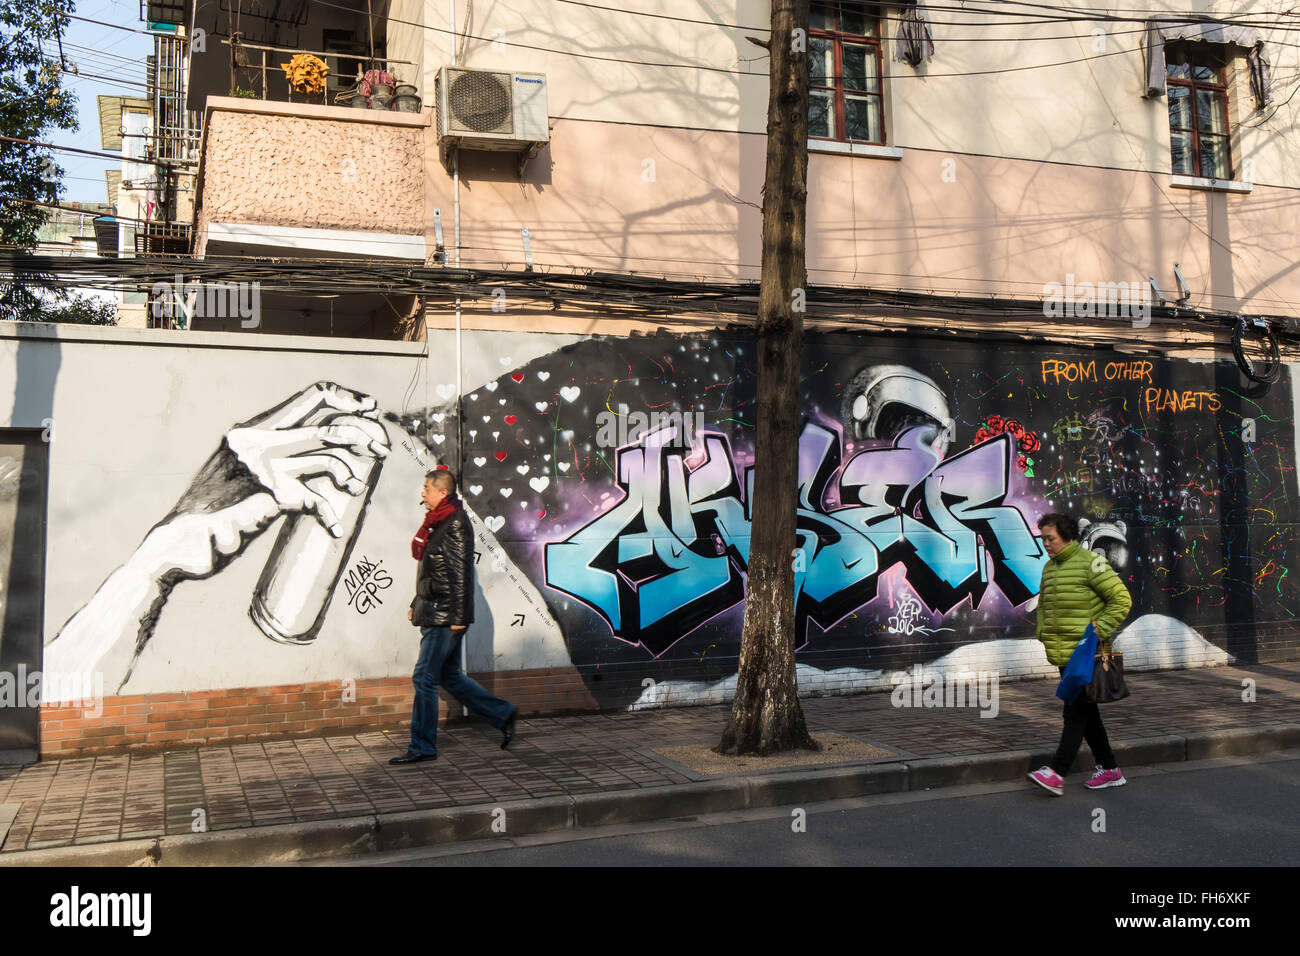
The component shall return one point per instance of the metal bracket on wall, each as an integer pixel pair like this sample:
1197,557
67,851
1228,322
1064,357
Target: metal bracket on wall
1184,292
526,155
528,249
439,252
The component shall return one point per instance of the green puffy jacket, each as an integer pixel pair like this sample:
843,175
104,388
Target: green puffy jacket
1078,587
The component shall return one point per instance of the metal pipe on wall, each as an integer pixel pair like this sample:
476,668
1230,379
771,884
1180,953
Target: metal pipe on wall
460,425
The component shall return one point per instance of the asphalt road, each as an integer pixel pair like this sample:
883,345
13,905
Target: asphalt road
1236,811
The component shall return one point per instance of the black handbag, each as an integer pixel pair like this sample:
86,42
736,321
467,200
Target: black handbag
1108,683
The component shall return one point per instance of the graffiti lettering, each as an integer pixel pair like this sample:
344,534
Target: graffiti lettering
1139,371
1169,400
1069,371
364,582
1135,371
670,555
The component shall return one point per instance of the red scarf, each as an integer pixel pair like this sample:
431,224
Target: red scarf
431,520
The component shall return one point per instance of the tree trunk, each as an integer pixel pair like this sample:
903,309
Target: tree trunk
765,715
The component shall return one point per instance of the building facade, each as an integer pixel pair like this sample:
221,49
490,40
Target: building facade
1134,182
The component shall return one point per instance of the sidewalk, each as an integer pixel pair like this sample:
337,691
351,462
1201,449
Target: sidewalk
595,763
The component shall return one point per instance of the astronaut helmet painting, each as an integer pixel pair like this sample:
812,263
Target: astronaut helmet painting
882,401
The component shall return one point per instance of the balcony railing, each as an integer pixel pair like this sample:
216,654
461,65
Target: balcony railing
339,90
163,239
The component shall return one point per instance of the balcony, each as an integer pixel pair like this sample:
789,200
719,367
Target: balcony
353,37
302,180
308,181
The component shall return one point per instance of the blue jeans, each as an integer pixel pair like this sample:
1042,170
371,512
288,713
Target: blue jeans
439,663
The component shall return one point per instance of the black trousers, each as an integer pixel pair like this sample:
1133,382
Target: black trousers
1082,722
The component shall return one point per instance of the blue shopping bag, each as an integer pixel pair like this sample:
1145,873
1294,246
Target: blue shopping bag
1078,672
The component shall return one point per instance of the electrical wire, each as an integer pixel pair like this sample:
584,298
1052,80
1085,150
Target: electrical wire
734,72
610,292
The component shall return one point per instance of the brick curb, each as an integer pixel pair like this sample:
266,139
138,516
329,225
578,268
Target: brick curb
378,833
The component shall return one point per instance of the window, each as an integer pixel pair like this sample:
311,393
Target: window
1198,110
844,95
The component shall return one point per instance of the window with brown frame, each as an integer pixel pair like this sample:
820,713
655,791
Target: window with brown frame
1198,110
844,85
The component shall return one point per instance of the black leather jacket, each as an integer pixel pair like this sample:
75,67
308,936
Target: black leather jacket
444,580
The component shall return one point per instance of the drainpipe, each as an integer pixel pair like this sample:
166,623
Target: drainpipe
460,401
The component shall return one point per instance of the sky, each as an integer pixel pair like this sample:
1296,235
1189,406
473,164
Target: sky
104,51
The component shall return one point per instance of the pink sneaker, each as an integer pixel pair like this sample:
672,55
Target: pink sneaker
1049,780
1106,778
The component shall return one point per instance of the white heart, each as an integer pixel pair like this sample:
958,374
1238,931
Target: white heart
570,392
491,386
507,492
472,433
540,406
495,435
494,523
546,457
439,417
501,401
487,418
567,434
506,361
473,396
543,375
539,484
446,391
439,439
475,489
480,461
562,465
523,504
522,469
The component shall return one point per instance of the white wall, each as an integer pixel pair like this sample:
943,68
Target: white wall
135,416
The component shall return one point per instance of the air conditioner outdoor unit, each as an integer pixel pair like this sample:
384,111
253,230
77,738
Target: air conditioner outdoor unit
482,109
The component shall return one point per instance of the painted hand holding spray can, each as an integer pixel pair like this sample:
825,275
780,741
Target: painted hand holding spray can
307,560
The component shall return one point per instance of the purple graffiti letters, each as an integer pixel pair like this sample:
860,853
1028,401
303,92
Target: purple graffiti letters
671,554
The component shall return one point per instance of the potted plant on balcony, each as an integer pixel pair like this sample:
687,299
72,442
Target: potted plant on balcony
377,88
408,100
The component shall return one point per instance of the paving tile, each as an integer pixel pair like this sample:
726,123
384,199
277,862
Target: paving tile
97,799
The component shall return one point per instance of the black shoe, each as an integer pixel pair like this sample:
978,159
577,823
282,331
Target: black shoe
410,757
508,730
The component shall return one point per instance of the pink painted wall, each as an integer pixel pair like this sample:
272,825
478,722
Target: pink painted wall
623,197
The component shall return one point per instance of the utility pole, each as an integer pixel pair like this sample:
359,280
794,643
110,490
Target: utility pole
766,716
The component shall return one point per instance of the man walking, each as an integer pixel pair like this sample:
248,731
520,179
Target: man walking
1078,588
443,609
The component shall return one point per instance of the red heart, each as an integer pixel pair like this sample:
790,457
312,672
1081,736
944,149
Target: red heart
518,377
510,419
542,513
500,456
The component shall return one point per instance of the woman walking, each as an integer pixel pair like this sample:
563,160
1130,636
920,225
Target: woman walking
1078,588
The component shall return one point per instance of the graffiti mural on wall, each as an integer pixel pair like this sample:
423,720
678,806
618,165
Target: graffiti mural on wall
612,538
644,565
923,470
315,459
